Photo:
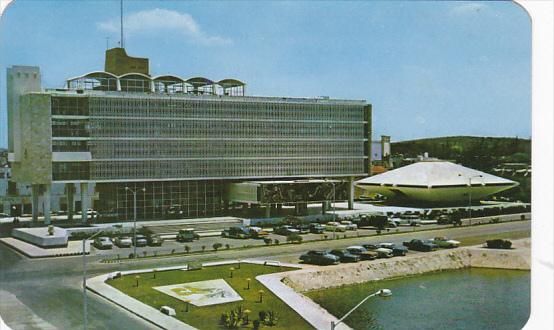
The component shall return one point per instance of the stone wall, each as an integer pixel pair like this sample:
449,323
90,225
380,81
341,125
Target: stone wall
415,264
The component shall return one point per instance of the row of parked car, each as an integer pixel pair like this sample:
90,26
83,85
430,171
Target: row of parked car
316,228
104,242
356,253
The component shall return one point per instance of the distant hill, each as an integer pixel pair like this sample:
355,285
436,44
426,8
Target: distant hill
477,152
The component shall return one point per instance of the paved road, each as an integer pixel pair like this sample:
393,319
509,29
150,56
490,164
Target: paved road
46,293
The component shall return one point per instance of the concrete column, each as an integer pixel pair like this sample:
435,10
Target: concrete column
35,191
350,193
47,203
84,201
70,197
323,207
268,210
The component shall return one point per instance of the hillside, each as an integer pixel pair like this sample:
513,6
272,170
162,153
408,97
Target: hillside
481,153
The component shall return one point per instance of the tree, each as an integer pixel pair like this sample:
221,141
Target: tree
216,246
187,248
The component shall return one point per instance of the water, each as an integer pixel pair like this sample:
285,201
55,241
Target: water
463,299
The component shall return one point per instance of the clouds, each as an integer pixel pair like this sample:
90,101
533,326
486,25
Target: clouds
163,22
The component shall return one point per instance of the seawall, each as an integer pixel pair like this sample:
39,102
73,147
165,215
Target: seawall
519,257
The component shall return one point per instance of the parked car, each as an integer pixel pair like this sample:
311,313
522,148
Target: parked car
499,244
186,235
317,228
319,258
286,230
345,256
123,241
237,232
362,252
410,219
397,250
381,252
349,225
102,242
154,240
139,240
443,242
302,229
334,226
257,232
420,245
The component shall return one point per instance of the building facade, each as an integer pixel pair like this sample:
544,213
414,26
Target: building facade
176,143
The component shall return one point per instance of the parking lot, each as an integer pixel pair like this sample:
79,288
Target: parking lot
171,245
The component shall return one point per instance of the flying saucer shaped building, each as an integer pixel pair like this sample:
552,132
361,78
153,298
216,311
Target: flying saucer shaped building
434,181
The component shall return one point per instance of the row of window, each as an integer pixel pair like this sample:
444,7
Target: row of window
102,149
70,106
162,199
198,108
69,146
224,168
223,129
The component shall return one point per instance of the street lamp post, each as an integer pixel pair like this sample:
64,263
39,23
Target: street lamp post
469,193
134,219
334,211
85,279
380,293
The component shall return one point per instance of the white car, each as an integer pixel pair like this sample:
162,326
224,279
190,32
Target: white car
124,241
334,226
444,242
102,243
349,225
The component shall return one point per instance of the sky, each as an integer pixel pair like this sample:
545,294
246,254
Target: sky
429,69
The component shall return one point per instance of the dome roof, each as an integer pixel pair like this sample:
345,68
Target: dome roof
430,174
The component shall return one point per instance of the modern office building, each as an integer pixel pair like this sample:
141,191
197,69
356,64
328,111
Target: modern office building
180,144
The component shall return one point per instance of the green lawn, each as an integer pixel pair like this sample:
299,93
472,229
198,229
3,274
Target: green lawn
208,317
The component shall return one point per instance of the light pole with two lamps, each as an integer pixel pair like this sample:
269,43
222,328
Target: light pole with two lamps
381,293
85,278
134,218
469,193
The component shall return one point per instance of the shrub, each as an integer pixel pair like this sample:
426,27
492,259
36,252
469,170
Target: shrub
276,242
217,246
262,315
131,255
271,319
267,240
187,248
172,251
256,324
227,246
203,248
144,253
232,319
294,238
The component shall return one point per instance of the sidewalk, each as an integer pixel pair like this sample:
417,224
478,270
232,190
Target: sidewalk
33,251
314,314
